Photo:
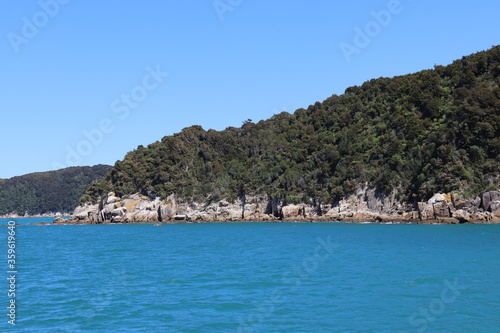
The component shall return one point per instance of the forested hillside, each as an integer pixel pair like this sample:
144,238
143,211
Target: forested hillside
42,192
412,135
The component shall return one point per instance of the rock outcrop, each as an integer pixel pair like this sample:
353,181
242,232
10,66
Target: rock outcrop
364,205
484,208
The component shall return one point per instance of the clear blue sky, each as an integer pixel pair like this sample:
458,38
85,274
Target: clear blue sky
72,70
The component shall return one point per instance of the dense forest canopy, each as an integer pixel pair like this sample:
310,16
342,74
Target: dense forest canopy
43,192
413,135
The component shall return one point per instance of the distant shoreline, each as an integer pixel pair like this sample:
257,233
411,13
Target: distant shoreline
314,220
53,216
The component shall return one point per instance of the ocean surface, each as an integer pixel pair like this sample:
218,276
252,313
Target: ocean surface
253,277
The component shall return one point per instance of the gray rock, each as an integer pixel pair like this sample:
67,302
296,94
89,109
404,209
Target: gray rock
142,216
438,197
477,202
83,212
122,211
117,219
112,200
165,213
488,198
59,220
374,200
109,208
223,203
495,206
441,210
426,211
461,215
292,211
365,204
463,204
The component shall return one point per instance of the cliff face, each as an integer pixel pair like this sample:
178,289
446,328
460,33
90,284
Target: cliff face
363,206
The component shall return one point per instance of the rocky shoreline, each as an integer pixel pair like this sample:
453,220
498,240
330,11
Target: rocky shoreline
26,216
366,205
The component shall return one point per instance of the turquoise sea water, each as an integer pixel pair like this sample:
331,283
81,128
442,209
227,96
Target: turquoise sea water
254,277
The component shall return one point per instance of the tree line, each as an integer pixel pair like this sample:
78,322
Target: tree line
44,192
437,130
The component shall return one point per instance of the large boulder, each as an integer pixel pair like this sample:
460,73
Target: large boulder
364,216
411,215
167,209
235,213
292,211
469,205
84,212
437,207
252,209
117,219
426,211
122,211
461,215
59,220
142,216
441,209
94,217
333,214
112,200
438,197
495,208
165,213
488,198
110,207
